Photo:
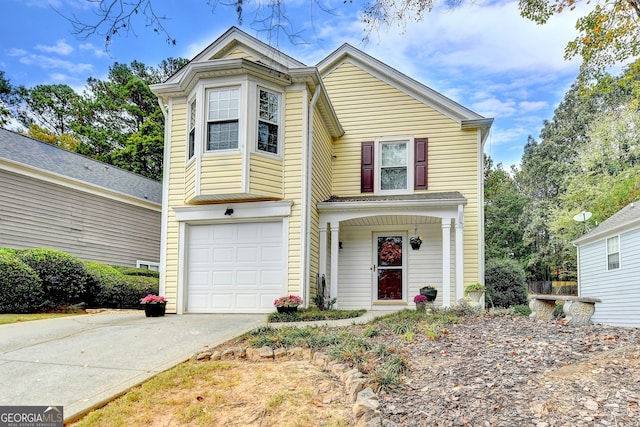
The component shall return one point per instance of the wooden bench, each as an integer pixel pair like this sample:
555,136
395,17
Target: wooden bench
577,310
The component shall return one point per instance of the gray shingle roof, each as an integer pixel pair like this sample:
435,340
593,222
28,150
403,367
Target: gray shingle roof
625,218
28,151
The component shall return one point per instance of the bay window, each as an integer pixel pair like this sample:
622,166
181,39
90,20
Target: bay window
268,121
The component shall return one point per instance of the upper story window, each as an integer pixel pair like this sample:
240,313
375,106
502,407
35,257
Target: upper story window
393,165
394,161
192,129
222,118
268,121
613,253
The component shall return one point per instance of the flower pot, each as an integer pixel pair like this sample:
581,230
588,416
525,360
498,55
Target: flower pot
154,309
421,306
287,310
415,246
476,297
430,293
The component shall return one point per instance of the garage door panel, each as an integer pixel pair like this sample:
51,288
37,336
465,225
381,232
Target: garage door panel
235,267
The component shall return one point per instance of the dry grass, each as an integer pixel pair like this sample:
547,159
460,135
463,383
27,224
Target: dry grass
230,393
7,318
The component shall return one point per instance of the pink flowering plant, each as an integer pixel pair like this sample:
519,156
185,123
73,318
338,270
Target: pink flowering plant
153,299
288,301
419,298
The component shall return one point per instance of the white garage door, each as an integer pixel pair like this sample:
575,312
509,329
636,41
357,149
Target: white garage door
235,268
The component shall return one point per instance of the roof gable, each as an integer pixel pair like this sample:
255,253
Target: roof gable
234,44
446,106
38,155
625,219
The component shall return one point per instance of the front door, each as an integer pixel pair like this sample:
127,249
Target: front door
389,266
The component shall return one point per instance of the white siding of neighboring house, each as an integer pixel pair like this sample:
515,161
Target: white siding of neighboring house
618,289
356,261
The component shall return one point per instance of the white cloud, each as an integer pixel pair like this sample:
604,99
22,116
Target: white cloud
98,52
49,63
61,48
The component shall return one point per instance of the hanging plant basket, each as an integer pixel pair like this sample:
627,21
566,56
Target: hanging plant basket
430,293
415,246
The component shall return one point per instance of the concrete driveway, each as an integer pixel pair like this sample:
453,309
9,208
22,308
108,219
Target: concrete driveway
82,361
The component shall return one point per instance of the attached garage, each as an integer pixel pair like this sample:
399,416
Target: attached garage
235,267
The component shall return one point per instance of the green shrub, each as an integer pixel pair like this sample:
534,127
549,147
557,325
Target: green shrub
108,287
63,276
130,271
505,282
20,287
522,310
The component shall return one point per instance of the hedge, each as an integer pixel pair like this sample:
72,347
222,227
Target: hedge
20,287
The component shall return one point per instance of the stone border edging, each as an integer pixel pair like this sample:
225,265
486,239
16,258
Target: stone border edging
365,400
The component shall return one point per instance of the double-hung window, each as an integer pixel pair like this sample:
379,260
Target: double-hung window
222,118
192,129
393,165
613,253
268,121
394,161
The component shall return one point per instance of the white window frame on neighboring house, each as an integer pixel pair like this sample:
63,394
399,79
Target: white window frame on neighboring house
613,253
148,265
191,135
380,145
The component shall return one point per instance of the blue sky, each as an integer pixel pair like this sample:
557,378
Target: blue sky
487,58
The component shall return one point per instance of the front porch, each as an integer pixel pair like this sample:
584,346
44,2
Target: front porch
366,258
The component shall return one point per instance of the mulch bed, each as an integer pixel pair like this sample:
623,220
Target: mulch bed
503,371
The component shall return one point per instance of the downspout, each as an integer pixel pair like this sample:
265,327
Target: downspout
165,200
307,172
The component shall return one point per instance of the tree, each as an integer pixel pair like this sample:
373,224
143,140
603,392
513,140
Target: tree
502,212
5,94
52,107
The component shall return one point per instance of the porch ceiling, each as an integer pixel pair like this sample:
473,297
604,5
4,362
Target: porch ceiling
391,219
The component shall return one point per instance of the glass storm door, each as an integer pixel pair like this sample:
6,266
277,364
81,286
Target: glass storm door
389,254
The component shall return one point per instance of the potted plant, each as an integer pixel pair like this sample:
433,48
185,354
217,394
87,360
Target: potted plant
415,242
421,302
430,292
288,304
475,291
154,305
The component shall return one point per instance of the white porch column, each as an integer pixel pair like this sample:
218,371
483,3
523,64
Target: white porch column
335,241
323,250
446,262
460,254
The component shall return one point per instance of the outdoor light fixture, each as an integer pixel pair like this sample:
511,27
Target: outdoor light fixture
229,211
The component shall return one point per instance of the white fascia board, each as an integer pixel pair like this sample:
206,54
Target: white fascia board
242,211
615,231
195,72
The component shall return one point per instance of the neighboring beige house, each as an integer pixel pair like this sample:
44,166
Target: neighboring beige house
54,198
278,174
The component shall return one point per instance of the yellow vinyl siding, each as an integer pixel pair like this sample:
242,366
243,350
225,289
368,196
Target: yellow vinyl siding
370,108
239,54
220,174
190,181
321,190
293,181
265,176
176,198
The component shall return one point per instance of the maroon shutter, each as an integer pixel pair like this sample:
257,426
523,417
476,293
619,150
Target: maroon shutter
366,170
420,164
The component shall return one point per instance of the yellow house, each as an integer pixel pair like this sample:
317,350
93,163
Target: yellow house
282,178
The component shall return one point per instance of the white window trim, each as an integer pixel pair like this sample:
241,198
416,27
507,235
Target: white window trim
606,242
377,156
149,263
242,118
255,117
190,102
